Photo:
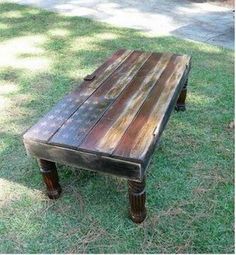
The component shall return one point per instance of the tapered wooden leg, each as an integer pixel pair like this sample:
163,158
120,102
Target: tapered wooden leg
137,197
50,177
180,105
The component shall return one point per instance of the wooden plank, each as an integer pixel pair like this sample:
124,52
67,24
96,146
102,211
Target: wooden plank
53,120
107,133
159,129
79,124
148,123
89,161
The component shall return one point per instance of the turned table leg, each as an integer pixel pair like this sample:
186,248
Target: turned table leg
137,197
180,105
50,177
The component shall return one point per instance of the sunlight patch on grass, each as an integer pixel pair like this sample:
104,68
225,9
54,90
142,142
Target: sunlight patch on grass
5,89
12,191
106,36
16,53
59,32
33,11
200,99
4,26
13,109
12,14
85,42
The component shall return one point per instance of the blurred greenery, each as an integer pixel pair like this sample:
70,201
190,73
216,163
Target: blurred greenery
190,184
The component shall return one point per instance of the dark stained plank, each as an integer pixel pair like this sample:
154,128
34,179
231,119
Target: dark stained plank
53,120
93,162
79,124
148,123
107,133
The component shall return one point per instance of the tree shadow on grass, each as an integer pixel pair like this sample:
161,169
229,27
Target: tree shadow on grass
45,56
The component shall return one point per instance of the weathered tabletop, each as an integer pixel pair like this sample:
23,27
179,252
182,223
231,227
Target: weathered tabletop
112,121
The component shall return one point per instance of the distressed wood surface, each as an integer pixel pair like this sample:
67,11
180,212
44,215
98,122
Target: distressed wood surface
52,121
117,113
139,136
107,133
77,126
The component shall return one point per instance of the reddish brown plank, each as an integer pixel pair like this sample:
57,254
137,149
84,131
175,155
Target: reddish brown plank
53,120
147,124
79,124
107,133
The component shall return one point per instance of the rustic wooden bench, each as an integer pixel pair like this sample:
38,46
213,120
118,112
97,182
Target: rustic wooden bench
112,121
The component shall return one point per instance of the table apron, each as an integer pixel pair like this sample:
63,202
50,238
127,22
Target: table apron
94,162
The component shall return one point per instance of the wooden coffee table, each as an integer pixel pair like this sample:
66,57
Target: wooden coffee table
112,121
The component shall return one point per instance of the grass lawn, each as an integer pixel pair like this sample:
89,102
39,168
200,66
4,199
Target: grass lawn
190,184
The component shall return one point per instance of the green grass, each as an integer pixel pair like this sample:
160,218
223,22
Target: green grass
190,184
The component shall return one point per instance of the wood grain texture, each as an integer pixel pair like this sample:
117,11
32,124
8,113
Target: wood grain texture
149,121
53,120
78,125
105,136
